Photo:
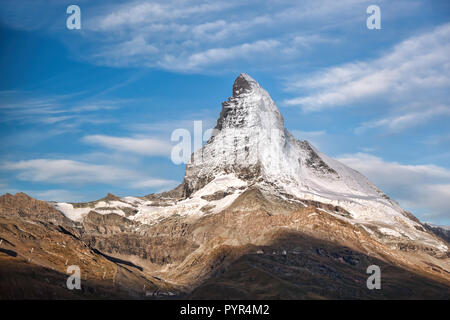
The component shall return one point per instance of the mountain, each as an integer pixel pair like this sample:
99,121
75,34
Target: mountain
250,148
440,231
259,214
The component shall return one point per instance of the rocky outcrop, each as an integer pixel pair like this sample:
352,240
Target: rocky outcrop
22,205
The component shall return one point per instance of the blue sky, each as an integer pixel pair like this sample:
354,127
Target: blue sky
90,111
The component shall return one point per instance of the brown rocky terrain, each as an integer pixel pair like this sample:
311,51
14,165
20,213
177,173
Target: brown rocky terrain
300,253
38,244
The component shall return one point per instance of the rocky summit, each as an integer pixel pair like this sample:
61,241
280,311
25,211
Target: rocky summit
258,215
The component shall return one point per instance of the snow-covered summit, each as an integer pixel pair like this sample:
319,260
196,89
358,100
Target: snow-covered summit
250,141
244,83
250,148
249,106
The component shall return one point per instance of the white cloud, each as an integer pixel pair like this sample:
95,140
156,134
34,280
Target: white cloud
416,65
420,188
190,37
206,116
67,171
70,172
128,52
152,183
59,195
141,13
54,112
53,120
442,139
216,55
91,107
144,33
138,145
401,122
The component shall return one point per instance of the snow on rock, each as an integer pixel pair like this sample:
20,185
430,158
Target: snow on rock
150,212
101,207
250,140
250,146
193,205
390,232
75,214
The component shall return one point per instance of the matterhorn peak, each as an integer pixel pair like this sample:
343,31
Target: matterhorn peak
252,162
252,185
251,144
244,84
250,106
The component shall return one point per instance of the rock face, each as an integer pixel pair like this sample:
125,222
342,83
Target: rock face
441,231
250,141
24,206
258,215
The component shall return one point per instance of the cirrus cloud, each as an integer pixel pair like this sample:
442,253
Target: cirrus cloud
418,63
421,188
139,145
64,171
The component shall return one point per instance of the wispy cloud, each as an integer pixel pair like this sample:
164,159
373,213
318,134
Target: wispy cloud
28,107
139,145
69,172
140,12
167,34
191,37
208,118
419,63
425,188
66,171
404,121
216,55
442,139
158,183
59,195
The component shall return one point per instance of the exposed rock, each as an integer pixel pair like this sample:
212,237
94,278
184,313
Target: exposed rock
441,231
25,206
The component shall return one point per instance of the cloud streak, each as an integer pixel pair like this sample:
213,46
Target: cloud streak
192,37
24,107
417,64
405,121
67,172
425,188
141,146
